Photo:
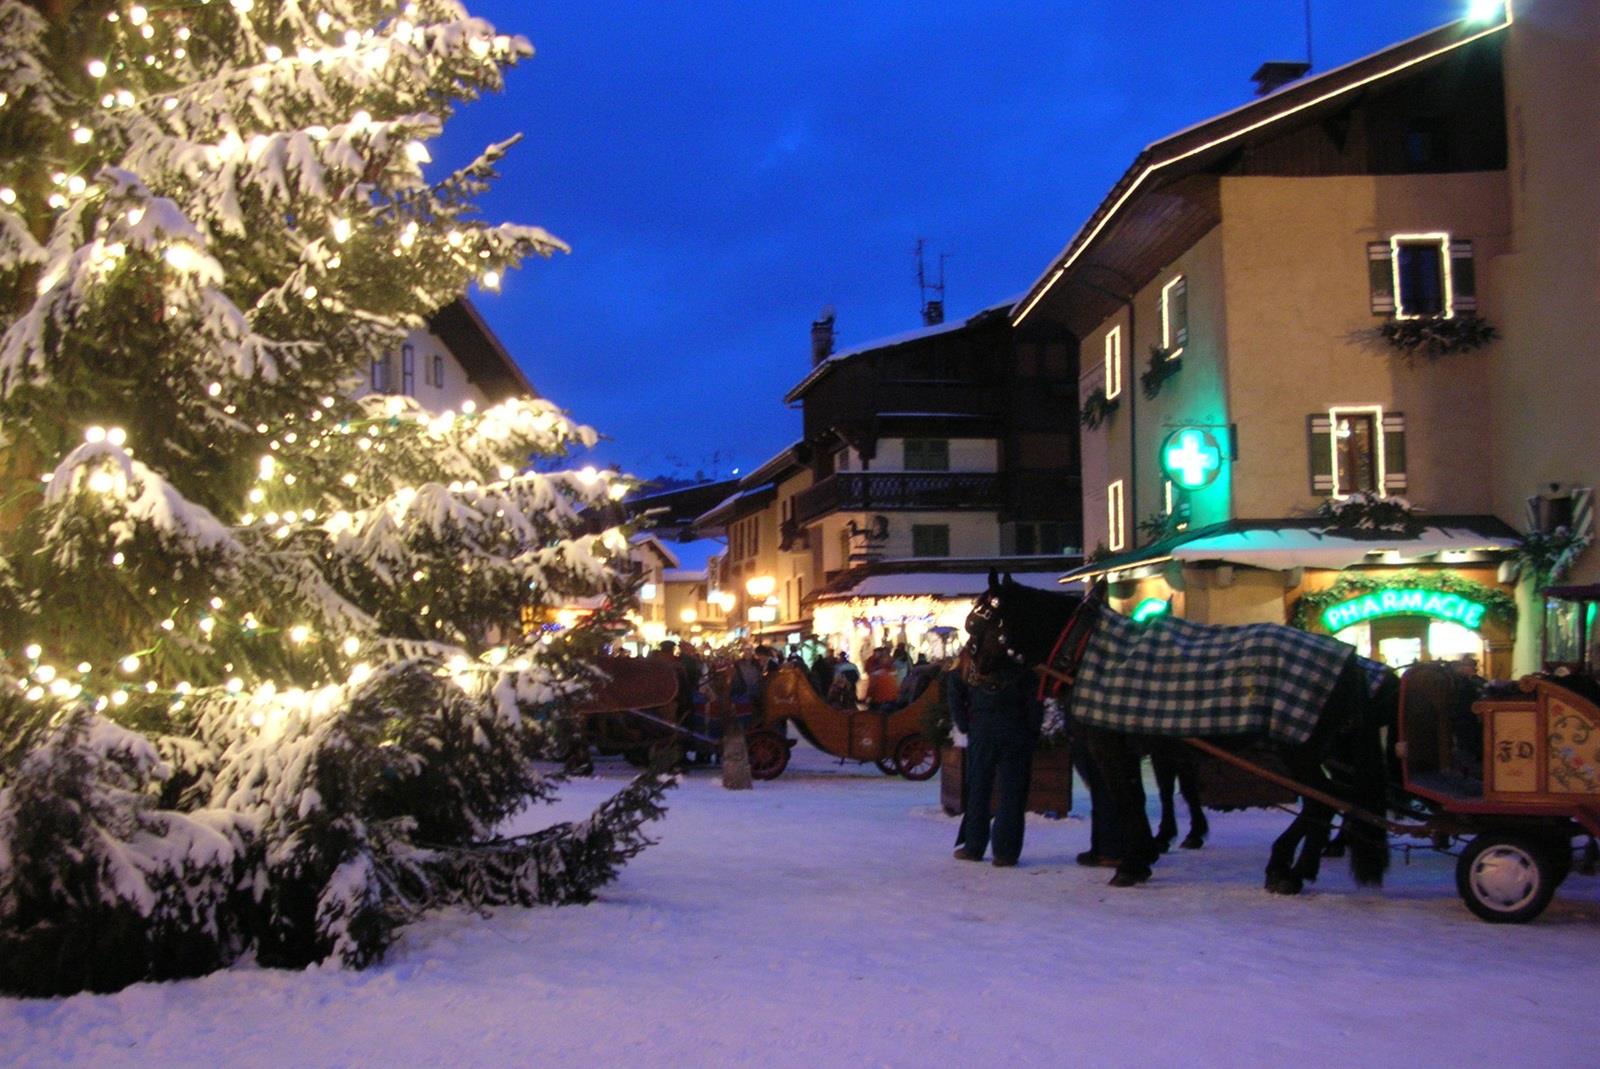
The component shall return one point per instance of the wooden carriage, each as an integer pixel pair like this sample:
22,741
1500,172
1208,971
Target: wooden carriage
893,739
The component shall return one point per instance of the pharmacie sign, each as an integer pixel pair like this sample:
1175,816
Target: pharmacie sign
1404,602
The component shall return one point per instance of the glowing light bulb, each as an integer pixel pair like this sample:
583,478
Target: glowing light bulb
341,230
94,435
130,664
491,280
117,437
97,68
351,646
101,482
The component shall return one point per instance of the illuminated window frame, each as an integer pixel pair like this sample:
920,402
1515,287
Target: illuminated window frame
1113,362
1116,532
1439,238
1380,475
1173,352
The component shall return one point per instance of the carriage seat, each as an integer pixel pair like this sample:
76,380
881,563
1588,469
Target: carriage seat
1442,738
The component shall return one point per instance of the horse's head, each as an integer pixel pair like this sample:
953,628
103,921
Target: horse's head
1013,623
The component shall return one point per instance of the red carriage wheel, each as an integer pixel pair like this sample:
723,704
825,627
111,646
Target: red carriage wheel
769,754
916,758
887,766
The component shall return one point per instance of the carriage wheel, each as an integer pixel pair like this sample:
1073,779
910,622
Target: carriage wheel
1506,879
769,754
886,765
916,758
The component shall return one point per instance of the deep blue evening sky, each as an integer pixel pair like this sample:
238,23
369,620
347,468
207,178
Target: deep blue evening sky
724,169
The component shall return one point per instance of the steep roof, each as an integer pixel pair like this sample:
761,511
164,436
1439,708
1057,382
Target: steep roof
479,352
1195,149
894,341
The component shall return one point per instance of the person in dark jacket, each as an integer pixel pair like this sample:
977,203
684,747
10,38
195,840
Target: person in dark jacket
1000,714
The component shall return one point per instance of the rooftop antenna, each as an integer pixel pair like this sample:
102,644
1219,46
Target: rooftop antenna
932,307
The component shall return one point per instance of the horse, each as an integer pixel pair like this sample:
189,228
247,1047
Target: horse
1030,626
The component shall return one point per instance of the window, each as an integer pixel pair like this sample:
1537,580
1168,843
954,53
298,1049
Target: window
930,540
1116,535
1355,449
1175,317
927,454
436,370
1038,539
383,373
408,369
1416,275
1113,363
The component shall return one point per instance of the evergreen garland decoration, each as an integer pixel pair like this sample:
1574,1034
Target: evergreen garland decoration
1097,408
1309,608
1431,337
1162,367
1547,555
1368,511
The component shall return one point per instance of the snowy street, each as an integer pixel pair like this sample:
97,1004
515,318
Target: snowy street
819,920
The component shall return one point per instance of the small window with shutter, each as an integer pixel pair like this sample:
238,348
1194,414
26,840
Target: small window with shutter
1113,363
1412,276
1356,449
1175,316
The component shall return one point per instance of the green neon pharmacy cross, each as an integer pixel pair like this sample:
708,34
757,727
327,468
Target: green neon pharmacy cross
1192,459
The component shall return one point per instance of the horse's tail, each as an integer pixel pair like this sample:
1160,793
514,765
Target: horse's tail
1369,787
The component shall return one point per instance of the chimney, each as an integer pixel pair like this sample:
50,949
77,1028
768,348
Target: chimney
933,313
1274,74
822,336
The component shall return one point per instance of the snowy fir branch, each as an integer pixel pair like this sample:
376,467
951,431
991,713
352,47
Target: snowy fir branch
278,659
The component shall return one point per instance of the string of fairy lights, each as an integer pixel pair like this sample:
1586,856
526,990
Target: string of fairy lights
156,38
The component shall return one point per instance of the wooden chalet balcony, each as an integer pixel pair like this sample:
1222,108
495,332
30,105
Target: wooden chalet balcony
899,491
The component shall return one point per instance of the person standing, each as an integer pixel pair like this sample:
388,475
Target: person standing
1000,714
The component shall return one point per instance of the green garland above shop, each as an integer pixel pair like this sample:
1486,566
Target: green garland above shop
1498,605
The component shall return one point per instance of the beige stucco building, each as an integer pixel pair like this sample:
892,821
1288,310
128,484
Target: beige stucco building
1239,294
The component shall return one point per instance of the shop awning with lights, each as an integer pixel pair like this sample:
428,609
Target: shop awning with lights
934,585
1282,545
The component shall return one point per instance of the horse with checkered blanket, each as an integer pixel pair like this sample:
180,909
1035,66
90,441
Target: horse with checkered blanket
1143,687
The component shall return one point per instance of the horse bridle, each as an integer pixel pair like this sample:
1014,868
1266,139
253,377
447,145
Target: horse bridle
984,609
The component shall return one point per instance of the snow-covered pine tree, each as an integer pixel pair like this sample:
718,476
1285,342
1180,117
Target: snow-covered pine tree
265,685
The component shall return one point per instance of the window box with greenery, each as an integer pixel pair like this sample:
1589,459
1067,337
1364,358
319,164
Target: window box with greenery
1427,285
1165,362
1097,408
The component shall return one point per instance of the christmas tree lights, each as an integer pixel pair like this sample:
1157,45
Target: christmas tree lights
263,686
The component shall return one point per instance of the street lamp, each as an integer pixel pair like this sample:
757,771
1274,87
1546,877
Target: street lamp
688,616
760,587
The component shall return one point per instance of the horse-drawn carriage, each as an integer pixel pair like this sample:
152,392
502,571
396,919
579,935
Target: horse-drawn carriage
1515,775
639,711
891,739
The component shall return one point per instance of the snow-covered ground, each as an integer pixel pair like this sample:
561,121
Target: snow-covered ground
820,920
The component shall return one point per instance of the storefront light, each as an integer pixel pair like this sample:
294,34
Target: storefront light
760,587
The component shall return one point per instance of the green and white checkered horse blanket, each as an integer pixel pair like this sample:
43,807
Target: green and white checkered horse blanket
1177,678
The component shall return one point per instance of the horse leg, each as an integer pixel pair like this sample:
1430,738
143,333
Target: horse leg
1189,787
1118,760
1166,773
1281,878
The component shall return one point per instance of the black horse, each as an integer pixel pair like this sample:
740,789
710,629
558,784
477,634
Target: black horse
1344,756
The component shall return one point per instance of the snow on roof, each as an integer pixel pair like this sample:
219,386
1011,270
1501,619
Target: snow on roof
683,575
939,585
1289,547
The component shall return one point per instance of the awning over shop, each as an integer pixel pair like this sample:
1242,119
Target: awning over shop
1309,544
935,585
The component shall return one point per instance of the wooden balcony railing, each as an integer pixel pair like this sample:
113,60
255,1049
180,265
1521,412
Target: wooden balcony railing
899,492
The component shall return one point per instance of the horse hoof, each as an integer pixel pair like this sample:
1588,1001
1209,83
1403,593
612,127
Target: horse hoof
1130,877
1163,845
1193,841
1284,885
